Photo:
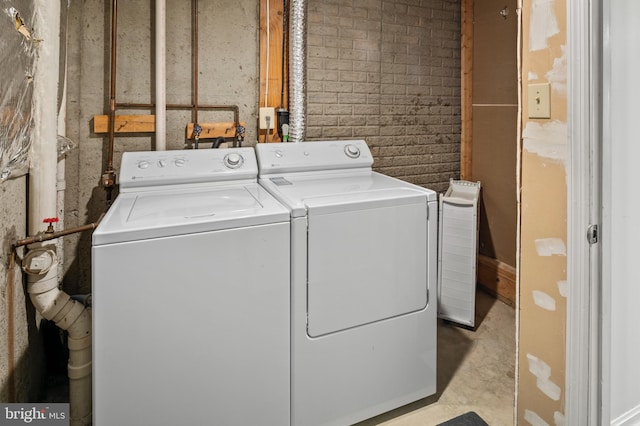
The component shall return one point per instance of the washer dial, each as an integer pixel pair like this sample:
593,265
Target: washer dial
233,160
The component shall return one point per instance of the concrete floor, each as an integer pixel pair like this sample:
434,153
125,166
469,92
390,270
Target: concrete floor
476,372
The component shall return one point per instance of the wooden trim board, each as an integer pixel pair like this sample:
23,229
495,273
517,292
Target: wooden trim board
498,279
125,124
270,66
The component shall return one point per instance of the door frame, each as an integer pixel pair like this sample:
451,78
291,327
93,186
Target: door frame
584,394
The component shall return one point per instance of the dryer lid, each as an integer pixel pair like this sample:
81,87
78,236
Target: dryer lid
340,189
155,214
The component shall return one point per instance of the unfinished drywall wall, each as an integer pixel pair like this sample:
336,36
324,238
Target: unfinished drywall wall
543,254
228,75
495,142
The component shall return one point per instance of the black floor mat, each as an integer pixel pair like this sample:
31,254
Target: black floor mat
467,419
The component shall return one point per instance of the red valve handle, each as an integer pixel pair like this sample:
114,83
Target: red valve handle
50,221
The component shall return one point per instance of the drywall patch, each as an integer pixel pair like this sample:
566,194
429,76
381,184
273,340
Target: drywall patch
544,301
562,287
534,419
551,247
558,417
557,75
532,76
543,24
542,371
548,140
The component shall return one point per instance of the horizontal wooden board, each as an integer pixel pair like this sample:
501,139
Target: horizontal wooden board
125,124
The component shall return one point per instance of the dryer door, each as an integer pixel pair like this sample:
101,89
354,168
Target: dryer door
367,259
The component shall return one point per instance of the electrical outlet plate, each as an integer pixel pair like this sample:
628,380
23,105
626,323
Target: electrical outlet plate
267,112
539,103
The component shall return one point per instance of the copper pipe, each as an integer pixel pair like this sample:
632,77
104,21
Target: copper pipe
234,108
10,327
46,236
194,66
112,89
108,179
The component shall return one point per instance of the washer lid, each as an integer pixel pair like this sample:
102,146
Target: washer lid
155,214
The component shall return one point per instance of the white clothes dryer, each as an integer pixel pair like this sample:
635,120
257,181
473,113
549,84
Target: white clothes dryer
191,295
363,281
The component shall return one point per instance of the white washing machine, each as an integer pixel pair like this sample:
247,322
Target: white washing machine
191,300
363,281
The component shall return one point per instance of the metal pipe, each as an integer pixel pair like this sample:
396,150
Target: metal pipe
194,67
46,236
10,327
161,71
234,108
108,179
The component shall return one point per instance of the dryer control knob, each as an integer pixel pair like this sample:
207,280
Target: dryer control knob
352,151
233,160
143,164
180,162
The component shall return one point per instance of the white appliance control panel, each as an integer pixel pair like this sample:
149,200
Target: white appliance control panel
164,168
279,158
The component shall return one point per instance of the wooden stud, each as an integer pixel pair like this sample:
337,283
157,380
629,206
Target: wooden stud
273,87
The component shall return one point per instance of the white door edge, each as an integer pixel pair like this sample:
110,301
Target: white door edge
583,373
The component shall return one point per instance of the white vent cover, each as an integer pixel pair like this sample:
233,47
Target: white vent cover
458,252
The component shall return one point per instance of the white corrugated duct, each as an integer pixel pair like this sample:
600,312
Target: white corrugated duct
297,70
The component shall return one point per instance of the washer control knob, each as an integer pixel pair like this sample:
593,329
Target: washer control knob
352,151
233,160
179,162
162,163
143,164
